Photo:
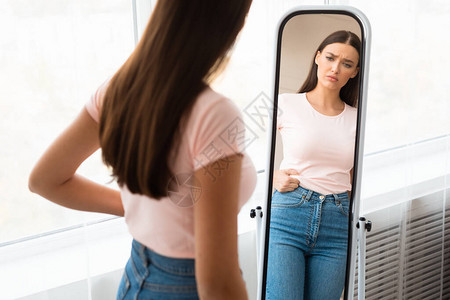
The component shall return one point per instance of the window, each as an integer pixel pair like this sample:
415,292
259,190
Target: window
53,55
57,53
408,88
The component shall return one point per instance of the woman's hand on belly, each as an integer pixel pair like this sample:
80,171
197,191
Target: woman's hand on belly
283,183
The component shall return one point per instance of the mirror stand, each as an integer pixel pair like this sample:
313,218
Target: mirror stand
365,226
258,214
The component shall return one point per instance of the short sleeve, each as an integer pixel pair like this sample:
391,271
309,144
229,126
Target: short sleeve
280,111
218,132
93,106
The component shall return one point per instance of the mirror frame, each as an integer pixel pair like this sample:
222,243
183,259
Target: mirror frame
364,24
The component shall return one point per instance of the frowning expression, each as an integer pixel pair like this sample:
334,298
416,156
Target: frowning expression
337,63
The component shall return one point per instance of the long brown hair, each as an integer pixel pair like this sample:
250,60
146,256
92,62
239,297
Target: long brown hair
182,48
349,92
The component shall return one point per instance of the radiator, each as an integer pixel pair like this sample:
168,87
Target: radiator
408,251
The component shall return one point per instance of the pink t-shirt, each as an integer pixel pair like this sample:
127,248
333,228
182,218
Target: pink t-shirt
213,130
319,147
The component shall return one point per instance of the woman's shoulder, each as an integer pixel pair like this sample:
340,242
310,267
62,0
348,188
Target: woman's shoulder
351,113
215,122
93,106
292,95
209,102
291,99
211,96
213,113
351,109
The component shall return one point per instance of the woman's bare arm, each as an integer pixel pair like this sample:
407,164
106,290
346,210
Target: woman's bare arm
54,176
216,250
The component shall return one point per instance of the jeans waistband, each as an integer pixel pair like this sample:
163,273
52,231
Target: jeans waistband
169,264
313,195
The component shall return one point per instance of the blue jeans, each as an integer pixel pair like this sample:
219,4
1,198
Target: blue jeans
149,275
307,245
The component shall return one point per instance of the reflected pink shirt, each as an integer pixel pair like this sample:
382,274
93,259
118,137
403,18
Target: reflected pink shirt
214,130
319,147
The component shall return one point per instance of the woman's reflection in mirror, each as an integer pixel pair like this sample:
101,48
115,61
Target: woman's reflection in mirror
310,205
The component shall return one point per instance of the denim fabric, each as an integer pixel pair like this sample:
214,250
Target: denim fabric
149,275
307,245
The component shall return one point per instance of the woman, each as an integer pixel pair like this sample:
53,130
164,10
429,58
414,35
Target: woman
159,124
309,211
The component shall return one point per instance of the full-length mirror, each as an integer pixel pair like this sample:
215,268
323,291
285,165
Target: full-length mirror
316,129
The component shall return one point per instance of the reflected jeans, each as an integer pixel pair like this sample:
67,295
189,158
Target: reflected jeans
307,245
149,275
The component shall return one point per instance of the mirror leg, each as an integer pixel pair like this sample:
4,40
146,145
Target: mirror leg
364,226
257,212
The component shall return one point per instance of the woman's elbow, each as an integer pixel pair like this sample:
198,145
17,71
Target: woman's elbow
37,182
222,288
34,183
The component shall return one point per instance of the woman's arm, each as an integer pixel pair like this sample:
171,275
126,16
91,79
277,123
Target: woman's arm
283,183
216,250
54,175
351,182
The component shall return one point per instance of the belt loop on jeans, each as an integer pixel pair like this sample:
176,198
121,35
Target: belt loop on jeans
308,195
142,255
336,199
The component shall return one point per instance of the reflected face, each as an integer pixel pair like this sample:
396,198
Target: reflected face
337,63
